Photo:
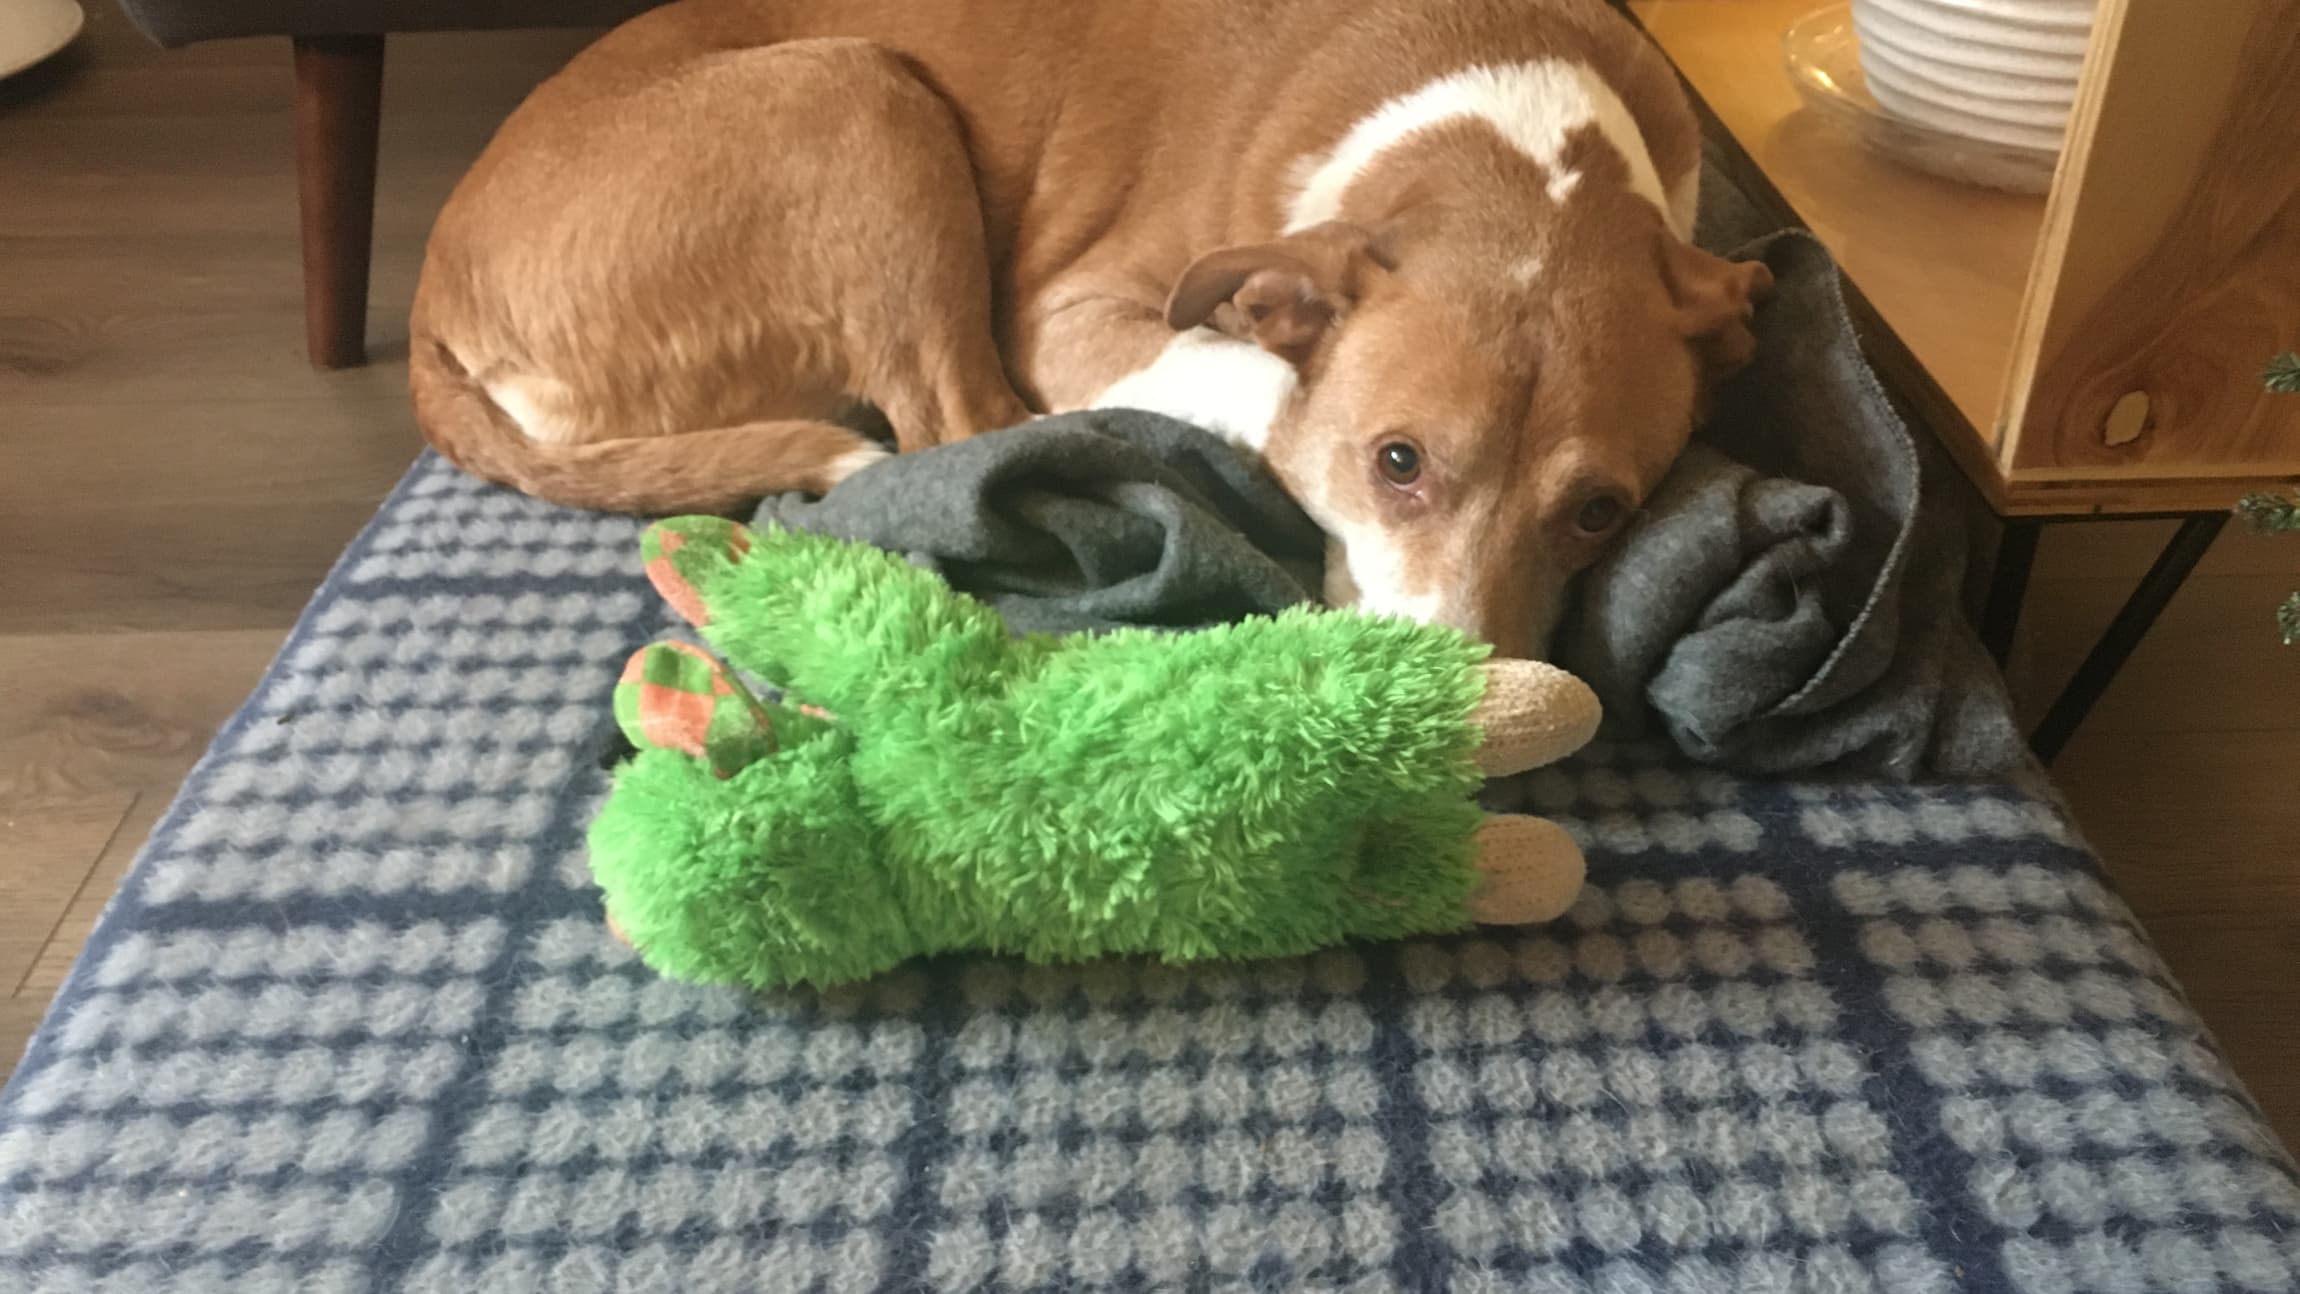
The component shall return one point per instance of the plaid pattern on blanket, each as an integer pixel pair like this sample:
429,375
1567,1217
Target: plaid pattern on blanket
354,1025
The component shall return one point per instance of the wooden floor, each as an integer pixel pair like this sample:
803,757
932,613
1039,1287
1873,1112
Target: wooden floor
174,481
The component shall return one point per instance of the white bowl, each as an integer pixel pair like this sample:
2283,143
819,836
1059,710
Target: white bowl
31,30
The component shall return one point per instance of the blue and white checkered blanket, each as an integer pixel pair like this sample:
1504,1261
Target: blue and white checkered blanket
354,1025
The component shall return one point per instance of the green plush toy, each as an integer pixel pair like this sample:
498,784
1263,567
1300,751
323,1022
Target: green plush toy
1259,789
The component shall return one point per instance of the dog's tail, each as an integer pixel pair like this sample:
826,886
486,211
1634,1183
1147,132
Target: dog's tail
713,470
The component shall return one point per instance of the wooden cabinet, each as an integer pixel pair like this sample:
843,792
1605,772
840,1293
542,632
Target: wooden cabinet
2096,351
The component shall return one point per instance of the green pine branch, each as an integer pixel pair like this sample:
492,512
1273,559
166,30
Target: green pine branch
2274,512
2282,374
2270,513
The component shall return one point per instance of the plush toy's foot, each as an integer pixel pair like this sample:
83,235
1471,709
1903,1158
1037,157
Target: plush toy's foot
1530,871
675,551
1533,714
673,696
660,546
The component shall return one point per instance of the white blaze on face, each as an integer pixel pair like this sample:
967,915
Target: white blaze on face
1230,387
1366,568
1537,107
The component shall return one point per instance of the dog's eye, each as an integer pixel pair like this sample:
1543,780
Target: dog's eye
1600,514
1400,462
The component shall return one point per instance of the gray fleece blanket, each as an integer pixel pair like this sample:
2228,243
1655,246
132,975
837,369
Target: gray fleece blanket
1786,602
1085,522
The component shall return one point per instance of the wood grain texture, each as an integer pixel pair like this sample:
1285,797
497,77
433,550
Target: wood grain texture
103,880
86,713
194,479
19,1016
109,534
2169,266
52,844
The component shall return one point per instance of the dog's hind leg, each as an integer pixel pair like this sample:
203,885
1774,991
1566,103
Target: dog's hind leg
876,220
674,282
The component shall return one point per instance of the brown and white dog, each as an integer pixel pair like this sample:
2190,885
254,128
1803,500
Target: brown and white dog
1429,257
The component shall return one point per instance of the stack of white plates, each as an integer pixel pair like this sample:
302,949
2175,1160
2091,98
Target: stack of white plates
1999,71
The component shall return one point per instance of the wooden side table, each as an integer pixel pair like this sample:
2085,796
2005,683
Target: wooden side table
2090,354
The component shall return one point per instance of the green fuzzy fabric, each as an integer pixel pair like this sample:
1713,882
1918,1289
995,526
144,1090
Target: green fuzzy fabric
1257,790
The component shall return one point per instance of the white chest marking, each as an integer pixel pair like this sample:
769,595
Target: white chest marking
1365,570
1232,388
1537,107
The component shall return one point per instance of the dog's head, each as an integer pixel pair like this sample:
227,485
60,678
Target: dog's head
1476,415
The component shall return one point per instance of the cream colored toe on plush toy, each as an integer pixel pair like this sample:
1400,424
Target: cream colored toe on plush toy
1533,714
1531,871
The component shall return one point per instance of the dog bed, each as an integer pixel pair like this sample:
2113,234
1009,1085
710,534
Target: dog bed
353,1024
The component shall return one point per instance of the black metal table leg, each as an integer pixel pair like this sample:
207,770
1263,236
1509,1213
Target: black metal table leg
2124,633
2008,585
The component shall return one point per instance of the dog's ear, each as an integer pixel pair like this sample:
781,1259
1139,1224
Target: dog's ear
1286,295
1716,301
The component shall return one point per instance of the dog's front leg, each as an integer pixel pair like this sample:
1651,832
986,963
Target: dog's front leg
1116,351
1082,336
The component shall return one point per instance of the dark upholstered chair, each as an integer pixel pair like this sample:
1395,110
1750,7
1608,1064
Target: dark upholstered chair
339,89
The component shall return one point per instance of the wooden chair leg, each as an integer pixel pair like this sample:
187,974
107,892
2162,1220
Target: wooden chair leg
338,104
